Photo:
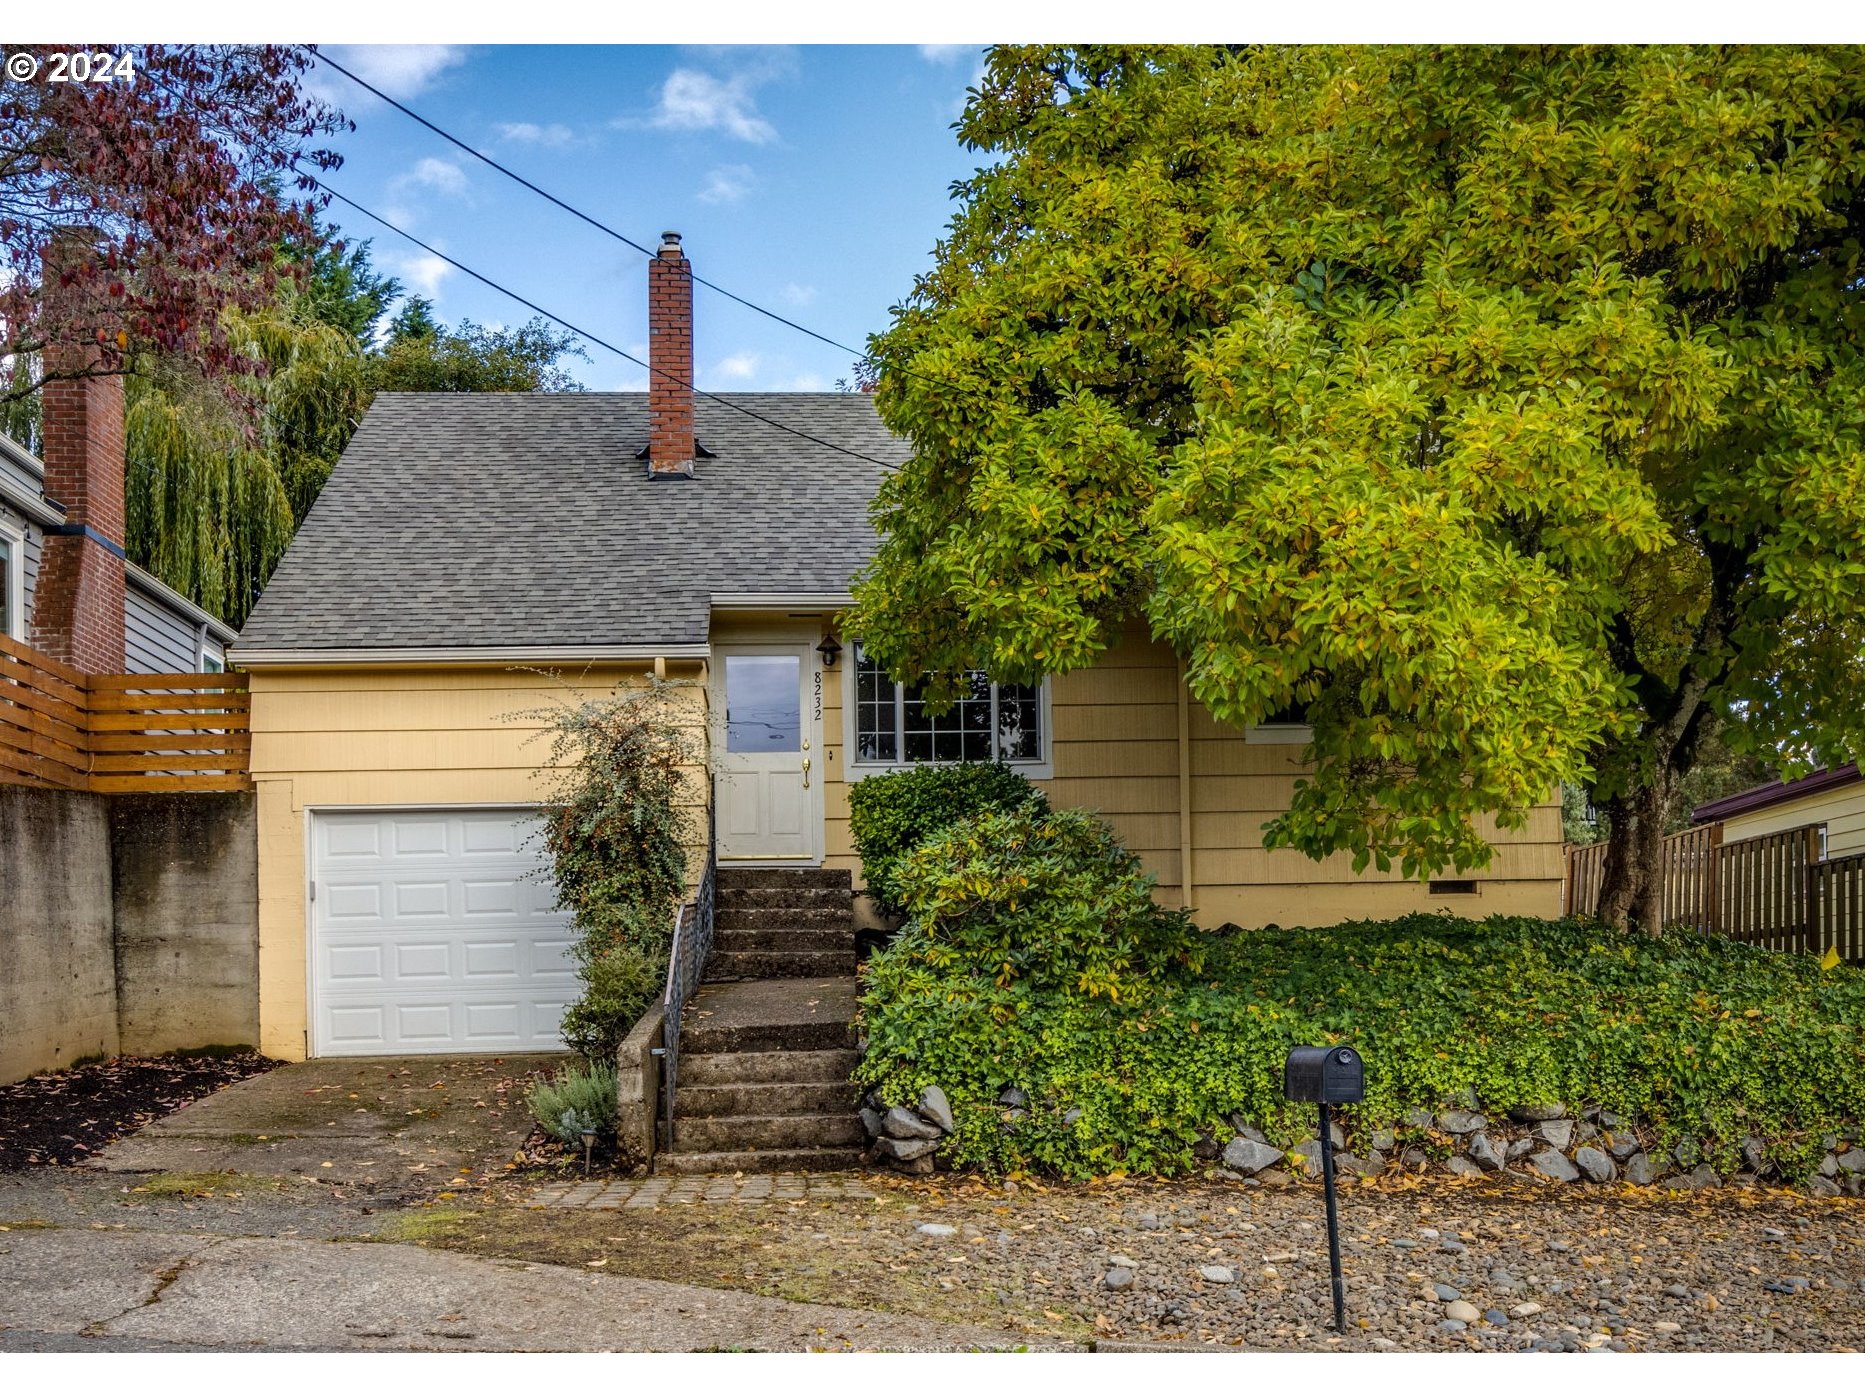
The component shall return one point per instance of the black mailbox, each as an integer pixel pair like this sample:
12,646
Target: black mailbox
1327,1075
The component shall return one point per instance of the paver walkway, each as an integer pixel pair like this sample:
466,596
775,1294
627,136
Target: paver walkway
657,1190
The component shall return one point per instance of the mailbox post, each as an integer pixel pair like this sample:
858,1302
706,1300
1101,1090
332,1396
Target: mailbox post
1328,1077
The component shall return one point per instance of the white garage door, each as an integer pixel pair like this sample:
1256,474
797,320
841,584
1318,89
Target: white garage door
432,932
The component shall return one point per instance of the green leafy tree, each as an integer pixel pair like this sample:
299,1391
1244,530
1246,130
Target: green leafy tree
423,356
219,482
216,486
341,286
1500,406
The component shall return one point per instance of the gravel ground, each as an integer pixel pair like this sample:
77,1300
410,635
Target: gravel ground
1437,1265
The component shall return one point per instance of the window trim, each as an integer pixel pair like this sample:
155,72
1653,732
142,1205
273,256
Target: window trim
1294,735
1036,769
15,626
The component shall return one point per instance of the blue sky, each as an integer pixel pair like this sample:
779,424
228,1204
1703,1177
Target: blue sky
813,180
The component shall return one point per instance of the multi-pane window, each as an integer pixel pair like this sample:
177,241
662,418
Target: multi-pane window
989,721
11,604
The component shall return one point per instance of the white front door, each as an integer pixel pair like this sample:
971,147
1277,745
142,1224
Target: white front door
766,768
434,932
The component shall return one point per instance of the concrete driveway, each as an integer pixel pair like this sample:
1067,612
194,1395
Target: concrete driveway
239,1223
62,1289
402,1126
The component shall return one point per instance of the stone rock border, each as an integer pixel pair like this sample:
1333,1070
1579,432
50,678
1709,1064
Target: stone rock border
1540,1142
907,1137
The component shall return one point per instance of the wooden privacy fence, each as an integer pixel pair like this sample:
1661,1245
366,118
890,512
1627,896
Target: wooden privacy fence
1773,890
1690,864
63,728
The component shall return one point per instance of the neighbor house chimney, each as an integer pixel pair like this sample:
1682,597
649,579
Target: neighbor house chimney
670,361
77,613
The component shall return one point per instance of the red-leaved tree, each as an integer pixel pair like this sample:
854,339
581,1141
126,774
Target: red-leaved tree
181,177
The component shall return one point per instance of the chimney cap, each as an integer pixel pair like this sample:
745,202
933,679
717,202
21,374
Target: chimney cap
670,243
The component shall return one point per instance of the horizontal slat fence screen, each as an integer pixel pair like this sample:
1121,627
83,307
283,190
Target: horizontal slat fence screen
1772,890
44,732
60,727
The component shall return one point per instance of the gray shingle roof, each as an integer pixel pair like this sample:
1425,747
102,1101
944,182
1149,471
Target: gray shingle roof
525,519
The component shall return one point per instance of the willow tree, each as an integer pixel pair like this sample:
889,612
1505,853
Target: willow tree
1502,407
216,485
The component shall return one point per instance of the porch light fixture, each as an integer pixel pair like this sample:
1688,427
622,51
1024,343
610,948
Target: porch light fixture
828,650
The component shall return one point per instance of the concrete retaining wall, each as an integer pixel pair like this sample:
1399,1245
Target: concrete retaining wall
128,924
58,989
638,1087
185,873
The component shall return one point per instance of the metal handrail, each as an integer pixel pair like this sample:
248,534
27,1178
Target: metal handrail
686,963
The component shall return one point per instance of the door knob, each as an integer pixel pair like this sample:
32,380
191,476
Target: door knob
806,774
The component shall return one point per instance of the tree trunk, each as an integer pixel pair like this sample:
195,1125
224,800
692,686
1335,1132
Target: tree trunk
1632,884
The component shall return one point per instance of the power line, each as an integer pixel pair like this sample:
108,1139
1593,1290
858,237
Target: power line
575,212
503,290
674,379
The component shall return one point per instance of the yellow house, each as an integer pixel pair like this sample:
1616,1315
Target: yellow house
1832,800
475,558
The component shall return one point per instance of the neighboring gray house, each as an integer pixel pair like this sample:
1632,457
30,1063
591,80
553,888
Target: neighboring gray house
163,632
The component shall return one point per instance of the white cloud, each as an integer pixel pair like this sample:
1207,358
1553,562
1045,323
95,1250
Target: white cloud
401,70
421,272
807,383
443,176
727,184
529,133
740,366
694,101
946,53
797,295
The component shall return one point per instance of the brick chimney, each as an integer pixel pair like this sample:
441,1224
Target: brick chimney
77,613
670,361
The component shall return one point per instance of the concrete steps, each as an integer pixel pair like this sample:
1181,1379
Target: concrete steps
827,916
736,878
778,965
763,1098
817,1132
767,1043
781,1066
782,938
755,1162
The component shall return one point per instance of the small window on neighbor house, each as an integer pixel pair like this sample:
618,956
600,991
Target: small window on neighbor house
1453,885
991,721
212,664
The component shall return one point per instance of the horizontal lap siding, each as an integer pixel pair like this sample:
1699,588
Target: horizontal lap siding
155,640
393,738
1116,751
1840,809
